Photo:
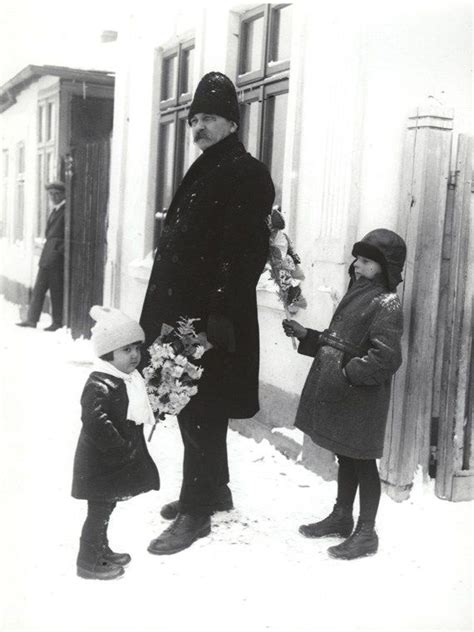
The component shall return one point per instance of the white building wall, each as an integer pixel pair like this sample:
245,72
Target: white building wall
411,54
19,124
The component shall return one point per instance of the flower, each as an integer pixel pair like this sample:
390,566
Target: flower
172,375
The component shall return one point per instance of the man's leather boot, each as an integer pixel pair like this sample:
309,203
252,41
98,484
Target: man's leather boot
364,541
339,523
185,530
91,563
223,502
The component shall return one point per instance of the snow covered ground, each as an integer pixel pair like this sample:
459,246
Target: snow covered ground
254,573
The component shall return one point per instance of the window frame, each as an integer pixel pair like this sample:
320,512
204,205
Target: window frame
267,69
46,158
5,191
19,217
284,64
172,110
265,83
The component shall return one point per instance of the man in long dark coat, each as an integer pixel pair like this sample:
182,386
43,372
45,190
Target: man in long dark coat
212,250
51,264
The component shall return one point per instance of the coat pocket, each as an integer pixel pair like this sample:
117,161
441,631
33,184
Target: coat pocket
333,385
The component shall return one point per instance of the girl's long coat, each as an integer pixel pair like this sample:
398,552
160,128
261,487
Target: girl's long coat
112,461
347,413
212,250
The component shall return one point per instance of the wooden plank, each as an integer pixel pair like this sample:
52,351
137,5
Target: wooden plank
92,164
463,486
389,465
457,356
421,222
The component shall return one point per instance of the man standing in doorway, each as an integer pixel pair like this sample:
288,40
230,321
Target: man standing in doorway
210,255
51,264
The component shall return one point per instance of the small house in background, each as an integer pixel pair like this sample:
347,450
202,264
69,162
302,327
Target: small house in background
52,117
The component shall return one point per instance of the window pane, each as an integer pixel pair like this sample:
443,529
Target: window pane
41,198
187,70
183,153
40,123
21,159
166,164
249,126
50,167
3,210
5,163
50,121
252,42
20,209
274,140
168,79
281,34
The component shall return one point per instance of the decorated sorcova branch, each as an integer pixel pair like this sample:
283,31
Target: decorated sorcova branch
283,272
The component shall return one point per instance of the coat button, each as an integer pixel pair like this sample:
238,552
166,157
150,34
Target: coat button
184,228
170,291
338,317
175,258
158,257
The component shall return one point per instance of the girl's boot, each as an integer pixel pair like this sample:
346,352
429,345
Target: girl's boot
91,563
122,559
364,541
339,522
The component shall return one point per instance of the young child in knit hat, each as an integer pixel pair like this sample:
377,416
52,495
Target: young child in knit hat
112,462
345,399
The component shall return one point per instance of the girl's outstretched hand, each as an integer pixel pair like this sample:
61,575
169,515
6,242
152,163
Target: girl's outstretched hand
294,329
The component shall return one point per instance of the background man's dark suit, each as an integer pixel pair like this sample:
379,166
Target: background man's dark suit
51,266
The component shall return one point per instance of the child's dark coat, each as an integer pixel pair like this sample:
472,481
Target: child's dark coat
112,461
348,415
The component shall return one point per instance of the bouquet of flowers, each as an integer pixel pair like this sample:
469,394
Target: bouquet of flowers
172,375
283,267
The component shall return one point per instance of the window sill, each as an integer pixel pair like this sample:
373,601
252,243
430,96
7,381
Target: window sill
269,299
140,269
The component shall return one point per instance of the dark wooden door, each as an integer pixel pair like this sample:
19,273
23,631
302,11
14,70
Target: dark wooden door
87,180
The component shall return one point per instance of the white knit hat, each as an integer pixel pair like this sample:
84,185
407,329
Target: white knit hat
113,330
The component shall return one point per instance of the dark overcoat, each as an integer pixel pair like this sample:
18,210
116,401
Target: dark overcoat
347,413
212,250
112,461
53,249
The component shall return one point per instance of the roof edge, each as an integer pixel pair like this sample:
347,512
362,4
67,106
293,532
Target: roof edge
10,89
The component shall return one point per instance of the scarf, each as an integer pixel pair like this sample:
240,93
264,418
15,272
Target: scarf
139,408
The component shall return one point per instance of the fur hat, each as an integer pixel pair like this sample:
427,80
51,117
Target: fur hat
113,330
388,249
215,94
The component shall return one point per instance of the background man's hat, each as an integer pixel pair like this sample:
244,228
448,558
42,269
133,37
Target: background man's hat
56,185
215,94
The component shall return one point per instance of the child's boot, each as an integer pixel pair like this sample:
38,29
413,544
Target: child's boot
339,523
122,559
364,541
91,563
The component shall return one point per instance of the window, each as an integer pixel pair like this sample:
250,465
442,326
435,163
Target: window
177,69
18,226
262,84
4,208
46,159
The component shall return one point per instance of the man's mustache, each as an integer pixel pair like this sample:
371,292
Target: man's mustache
200,136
